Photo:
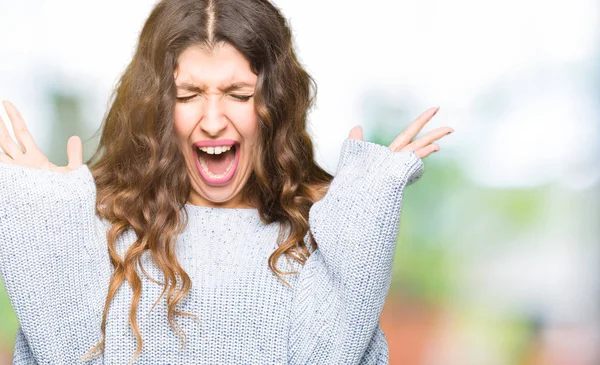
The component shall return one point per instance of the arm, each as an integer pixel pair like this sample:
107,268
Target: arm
50,259
341,289
377,352
52,249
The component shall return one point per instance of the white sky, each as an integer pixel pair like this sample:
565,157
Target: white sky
533,53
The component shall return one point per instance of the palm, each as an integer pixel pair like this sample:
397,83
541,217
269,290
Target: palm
26,153
422,146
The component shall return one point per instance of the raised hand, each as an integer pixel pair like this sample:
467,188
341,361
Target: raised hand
422,146
28,153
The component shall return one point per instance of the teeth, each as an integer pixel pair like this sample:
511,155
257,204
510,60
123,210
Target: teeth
215,150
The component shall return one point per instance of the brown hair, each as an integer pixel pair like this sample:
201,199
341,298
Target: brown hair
139,168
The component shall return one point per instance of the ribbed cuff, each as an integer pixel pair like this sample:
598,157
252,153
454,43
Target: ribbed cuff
372,158
28,180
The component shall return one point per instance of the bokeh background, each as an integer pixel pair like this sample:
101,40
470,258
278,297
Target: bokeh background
497,256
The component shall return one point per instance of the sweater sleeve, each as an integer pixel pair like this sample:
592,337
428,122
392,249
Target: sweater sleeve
342,287
49,259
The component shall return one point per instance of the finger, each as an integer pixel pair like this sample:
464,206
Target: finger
427,150
413,129
6,142
428,138
74,152
356,133
19,127
5,159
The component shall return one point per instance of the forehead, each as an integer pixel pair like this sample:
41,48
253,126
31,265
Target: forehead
220,65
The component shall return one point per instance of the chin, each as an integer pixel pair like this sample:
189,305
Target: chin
224,197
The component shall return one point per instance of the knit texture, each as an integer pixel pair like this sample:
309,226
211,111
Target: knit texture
56,269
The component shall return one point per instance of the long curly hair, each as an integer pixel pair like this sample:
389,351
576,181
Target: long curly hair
139,167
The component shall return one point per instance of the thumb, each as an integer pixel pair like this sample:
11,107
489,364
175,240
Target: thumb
74,152
356,133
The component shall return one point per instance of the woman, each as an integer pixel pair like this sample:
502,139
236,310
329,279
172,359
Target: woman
204,178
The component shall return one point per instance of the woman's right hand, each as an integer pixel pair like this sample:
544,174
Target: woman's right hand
28,153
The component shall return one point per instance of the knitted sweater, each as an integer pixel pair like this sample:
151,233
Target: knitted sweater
56,269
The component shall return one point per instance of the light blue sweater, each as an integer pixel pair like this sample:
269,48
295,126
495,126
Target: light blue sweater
55,264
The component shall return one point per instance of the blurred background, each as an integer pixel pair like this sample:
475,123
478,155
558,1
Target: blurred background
498,251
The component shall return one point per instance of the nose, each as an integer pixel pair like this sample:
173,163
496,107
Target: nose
213,120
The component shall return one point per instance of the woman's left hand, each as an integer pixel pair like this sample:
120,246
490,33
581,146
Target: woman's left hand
422,146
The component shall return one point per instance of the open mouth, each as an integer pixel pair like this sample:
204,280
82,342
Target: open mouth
217,165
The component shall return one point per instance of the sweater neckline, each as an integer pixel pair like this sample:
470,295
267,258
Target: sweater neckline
231,212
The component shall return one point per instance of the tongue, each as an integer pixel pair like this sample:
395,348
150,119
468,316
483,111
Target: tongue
218,164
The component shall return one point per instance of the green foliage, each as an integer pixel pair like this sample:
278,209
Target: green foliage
447,219
67,121
424,262
9,323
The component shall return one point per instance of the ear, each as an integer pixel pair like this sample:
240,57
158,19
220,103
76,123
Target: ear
356,133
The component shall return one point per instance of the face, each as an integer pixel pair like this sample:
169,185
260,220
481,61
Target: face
216,123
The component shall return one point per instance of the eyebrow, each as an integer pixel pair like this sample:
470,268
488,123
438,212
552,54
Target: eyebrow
195,88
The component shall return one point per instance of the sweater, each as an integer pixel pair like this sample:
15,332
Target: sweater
55,265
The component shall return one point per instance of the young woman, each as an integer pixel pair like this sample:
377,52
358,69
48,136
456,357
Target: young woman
166,247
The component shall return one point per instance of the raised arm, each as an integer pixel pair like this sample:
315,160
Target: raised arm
341,290
51,251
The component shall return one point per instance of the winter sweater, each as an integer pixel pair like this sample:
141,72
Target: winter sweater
56,269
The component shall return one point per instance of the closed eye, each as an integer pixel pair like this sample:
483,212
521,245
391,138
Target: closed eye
242,97
183,99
